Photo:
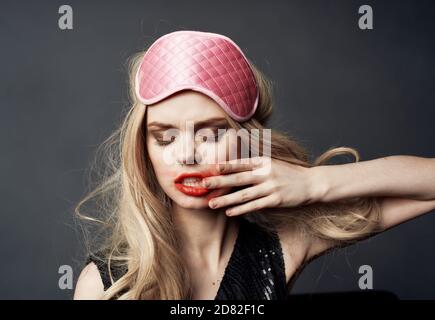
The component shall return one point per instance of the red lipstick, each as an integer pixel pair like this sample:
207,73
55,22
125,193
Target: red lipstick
195,191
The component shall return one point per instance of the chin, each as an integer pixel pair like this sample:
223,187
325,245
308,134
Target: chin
194,202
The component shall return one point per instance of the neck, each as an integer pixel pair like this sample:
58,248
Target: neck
205,234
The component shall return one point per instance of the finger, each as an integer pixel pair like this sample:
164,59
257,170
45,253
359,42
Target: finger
231,180
254,205
240,196
237,165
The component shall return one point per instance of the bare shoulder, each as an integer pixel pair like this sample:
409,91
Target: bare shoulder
299,248
89,284
294,248
318,246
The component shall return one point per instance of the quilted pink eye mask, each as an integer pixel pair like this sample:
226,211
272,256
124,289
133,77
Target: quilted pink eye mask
206,62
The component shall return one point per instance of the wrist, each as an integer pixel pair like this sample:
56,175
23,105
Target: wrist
319,184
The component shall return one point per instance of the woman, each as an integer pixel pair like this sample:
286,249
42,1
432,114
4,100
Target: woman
189,214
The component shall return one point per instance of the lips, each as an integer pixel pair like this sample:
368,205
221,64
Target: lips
191,187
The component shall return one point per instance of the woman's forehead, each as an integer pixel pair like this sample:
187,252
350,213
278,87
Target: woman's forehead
182,106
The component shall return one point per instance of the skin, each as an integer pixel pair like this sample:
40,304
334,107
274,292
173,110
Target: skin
208,235
206,224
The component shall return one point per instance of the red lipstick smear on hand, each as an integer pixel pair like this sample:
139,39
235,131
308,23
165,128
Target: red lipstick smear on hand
194,191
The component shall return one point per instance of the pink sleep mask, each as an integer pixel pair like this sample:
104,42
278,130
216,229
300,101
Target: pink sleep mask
206,62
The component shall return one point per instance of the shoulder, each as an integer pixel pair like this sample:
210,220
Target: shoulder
89,284
109,270
295,247
299,248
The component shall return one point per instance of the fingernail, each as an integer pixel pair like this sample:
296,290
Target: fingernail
229,212
205,183
213,204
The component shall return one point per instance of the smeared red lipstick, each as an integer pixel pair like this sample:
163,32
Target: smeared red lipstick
195,191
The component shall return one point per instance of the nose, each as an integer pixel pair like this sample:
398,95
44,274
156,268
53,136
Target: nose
187,150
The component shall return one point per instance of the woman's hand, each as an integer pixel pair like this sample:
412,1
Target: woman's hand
271,183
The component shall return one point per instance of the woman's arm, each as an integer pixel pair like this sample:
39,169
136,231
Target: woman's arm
394,176
89,285
393,212
288,185
405,186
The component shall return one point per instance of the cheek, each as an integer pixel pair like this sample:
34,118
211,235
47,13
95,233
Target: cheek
153,155
156,156
163,160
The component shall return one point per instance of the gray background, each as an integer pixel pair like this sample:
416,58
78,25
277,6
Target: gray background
62,92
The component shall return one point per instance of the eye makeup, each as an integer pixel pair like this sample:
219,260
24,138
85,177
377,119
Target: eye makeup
215,136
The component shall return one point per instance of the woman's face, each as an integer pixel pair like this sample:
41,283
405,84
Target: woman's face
183,139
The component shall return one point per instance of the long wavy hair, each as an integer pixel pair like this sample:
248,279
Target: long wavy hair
136,231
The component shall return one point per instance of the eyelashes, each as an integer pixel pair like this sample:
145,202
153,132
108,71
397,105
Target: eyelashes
161,142
203,138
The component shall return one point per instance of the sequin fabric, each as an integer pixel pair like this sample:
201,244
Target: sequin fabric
255,270
256,267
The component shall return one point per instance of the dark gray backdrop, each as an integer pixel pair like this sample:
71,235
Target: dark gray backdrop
62,92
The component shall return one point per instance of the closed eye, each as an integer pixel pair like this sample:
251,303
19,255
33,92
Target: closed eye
214,136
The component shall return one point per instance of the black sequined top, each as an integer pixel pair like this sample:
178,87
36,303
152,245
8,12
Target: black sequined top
255,270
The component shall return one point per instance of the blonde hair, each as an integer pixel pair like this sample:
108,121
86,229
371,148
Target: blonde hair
134,212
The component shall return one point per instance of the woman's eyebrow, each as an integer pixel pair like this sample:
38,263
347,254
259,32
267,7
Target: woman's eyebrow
197,124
